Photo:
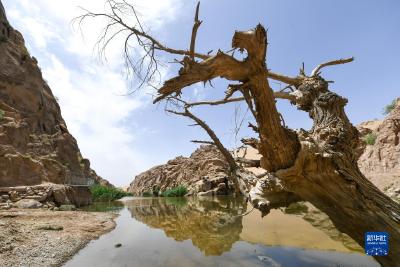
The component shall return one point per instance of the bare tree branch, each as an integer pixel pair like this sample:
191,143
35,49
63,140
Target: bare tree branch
211,133
146,67
214,103
232,88
296,81
284,95
225,152
202,142
316,71
196,26
253,142
281,95
255,128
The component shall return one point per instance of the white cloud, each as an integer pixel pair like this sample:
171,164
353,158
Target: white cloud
88,91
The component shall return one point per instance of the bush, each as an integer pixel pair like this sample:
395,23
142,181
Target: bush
389,107
370,139
156,191
2,114
178,191
105,193
147,194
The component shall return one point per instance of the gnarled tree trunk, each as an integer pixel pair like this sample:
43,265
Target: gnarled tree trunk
318,166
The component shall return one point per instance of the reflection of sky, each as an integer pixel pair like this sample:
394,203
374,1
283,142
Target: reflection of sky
145,246
125,135
150,232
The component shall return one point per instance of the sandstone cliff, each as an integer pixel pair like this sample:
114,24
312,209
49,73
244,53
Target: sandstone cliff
380,161
204,172
35,145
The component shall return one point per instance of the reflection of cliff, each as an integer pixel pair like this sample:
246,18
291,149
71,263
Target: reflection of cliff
212,224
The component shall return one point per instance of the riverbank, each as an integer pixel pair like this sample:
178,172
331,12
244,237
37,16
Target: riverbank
48,238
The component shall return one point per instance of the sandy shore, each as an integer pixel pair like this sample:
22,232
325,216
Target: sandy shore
48,238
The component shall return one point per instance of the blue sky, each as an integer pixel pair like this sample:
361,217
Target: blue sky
124,135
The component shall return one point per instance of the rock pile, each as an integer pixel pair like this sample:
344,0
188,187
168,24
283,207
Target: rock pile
43,196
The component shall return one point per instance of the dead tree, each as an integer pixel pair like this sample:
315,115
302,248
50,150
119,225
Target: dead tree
318,166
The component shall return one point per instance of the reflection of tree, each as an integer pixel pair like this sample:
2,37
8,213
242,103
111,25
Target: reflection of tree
213,225
321,221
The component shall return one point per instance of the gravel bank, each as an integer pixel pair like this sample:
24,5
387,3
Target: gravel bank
48,238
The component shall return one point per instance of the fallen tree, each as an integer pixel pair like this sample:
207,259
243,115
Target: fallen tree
319,165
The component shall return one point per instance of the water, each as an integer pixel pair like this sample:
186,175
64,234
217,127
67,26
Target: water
175,232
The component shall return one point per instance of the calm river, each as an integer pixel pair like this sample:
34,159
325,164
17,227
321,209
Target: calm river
174,232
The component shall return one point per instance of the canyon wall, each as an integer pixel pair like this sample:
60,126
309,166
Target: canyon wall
35,145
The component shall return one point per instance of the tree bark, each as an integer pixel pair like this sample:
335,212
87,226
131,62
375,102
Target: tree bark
326,173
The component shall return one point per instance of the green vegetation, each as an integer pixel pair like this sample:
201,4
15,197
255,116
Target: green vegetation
389,107
147,194
370,139
156,191
2,114
105,193
178,191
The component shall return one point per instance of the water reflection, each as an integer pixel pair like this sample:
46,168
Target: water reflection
198,232
110,206
213,225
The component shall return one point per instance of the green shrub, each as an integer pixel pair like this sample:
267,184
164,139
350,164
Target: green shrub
178,191
147,194
389,107
2,114
156,191
105,193
370,139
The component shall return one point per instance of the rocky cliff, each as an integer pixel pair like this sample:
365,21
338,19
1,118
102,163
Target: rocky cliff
205,172
380,160
35,145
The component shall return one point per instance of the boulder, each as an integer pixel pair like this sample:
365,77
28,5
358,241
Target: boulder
60,196
28,204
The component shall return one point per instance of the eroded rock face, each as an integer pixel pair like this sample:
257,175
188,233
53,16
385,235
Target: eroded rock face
35,145
205,172
380,162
